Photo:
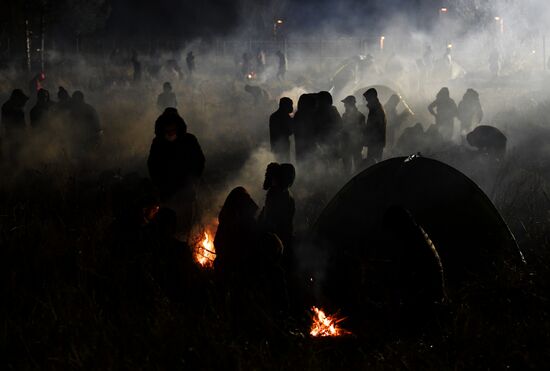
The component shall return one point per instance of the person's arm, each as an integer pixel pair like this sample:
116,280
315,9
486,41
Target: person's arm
431,108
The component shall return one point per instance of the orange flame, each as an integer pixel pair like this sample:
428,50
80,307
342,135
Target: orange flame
324,325
205,252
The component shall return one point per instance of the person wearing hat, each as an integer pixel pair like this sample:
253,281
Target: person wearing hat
376,127
353,138
13,121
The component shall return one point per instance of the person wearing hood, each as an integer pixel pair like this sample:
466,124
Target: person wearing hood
354,133
444,110
376,127
13,122
470,112
40,112
280,130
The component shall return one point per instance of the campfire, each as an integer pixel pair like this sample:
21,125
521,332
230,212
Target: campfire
325,325
204,251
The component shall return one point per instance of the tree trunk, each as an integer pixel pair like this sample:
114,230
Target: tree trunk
28,44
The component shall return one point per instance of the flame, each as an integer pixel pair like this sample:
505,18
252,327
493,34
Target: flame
204,251
324,325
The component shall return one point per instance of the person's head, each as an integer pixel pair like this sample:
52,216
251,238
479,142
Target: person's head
443,93
18,97
62,94
238,206
170,125
167,87
349,103
78,97
371,95
288,175
394,101
272,176
324,99
471,94
286,105
43,96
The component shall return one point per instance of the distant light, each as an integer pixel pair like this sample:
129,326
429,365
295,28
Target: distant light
449,46
444,10
497,18
533,51
279,21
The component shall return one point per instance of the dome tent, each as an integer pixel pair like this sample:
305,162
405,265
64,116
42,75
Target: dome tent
410,230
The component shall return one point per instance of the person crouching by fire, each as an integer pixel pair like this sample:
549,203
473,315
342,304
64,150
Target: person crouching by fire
277,216
175,163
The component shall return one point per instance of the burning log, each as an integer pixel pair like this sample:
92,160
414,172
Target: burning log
326,325
204,251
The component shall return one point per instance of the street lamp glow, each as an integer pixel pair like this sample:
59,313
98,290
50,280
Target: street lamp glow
382,38
443,10
497,18
279,21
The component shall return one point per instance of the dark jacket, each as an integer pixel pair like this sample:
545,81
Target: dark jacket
376,126
280,130
174,165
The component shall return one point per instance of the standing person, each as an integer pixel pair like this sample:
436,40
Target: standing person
470,112
280,130
175,163
353,134
167,98
86,126
394,119
328,126
13,121
190,61
277,216
376,127
246,65
444,110
283,64
136,64
39,113
494,63
260,63
303,126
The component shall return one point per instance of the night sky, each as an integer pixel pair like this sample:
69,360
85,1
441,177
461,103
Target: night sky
212,18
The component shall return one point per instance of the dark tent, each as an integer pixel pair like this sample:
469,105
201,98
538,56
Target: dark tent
407,232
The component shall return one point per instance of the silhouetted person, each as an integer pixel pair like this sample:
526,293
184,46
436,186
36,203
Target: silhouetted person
42,109
258,94
175,163
167,98
280,130
246,65
277,216
237,236
328,126
354,133
136,65
86,126
13,121
470,112
444,110
174,268
412,140
260,62
283,65
304,126
488,140
190,61
494,63
62,95
394,119
376,127
36,83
